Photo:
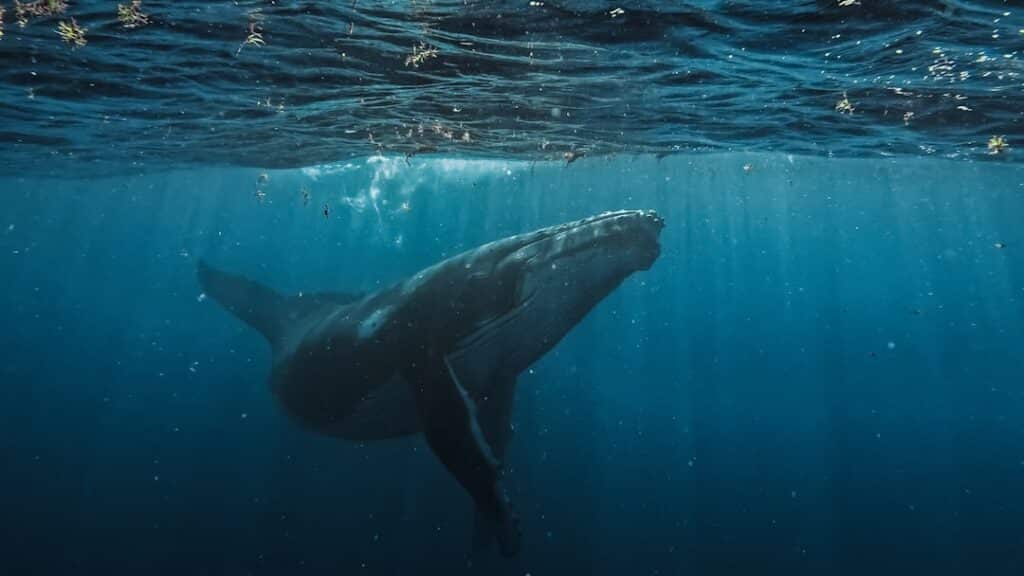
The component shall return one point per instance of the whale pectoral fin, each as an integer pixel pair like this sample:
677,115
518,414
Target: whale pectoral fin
449,419
494,414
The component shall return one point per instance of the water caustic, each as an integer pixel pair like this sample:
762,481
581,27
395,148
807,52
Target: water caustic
291,84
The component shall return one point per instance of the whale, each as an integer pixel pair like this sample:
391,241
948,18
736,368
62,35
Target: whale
439,352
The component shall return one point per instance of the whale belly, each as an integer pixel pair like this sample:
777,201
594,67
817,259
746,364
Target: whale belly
388,411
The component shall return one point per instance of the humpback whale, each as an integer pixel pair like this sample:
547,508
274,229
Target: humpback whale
439,352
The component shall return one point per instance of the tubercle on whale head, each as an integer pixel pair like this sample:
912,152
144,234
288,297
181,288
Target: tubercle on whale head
631,234
572,265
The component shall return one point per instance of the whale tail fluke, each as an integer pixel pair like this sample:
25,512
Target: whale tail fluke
255,304
266,310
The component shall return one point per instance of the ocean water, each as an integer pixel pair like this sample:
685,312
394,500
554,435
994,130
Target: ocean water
821,373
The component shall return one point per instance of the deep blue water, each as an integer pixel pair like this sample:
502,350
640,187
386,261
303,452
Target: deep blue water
821,374
738,408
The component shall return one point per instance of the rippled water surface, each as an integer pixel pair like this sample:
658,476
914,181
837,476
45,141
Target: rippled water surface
290,83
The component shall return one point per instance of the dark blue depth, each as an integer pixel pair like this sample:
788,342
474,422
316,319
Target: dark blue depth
821,375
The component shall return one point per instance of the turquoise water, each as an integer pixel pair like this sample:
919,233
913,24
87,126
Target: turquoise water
820,374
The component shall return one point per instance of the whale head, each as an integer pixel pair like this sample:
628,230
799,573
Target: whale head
529,290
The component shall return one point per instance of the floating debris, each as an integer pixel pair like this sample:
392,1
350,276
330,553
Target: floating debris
23,12
255,37
616,12
748,168
998,145
572,156
131,16
71,33
844,106
848,3
420,54
420,150
442,131
999,245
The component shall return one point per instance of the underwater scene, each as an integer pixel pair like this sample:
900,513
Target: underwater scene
526,288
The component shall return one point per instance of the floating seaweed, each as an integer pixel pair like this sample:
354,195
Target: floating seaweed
71,33
420,54
998,145
255,37
25,11
844,106
131,15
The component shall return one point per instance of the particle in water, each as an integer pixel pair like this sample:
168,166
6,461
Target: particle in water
848,3
201,297
999,245
748,168
906,118
263,178
891,345
616,12
260,196
244,415
998,145
305,196
327,210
